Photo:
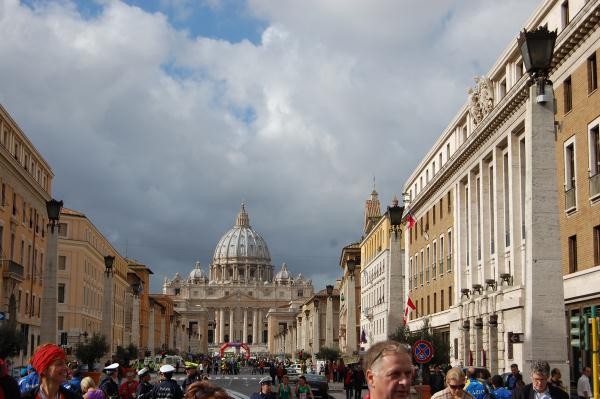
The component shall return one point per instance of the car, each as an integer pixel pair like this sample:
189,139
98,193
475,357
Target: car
292,373
318,385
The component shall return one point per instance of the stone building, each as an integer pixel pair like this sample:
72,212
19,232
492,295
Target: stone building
349,331
26,185
492,260
230,303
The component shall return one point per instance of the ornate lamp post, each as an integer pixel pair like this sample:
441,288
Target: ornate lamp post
542,240
329,317
48,329
107,302
395,213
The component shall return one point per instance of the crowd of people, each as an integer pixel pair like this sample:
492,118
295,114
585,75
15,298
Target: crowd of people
388,373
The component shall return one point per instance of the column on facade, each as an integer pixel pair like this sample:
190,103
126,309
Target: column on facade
231,331
254,326
135,321
260,327
221,325
245,327
316,330
306,331
217,326
151,329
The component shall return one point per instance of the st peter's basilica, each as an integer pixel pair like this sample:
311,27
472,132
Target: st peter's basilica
231,301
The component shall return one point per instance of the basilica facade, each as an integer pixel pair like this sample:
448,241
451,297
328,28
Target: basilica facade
229,302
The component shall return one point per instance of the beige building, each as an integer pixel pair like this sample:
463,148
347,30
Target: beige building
26,185
490,183
229,304
349,331
381,275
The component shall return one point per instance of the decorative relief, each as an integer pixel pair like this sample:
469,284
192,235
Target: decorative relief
481,99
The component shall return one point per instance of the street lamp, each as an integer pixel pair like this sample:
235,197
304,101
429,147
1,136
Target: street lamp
395,213
537,49
53,208
108,264
49,311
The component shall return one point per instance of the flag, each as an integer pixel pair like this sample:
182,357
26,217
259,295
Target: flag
410,222
411,305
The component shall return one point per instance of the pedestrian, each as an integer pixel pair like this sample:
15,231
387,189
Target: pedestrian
50,362
539,386
389,370
74,384
583,384
144,388
89,389
349,382
191,376
30,381
359,381
128,388
499,390
265,389
555,379
167,387
455,384
284,390
475,387
303,390
436,380
205,390
108,382
513,376
9,387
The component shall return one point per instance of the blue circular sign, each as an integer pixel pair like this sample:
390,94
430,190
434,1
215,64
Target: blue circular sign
423,351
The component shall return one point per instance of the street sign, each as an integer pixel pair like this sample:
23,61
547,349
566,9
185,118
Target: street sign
423,351
3,316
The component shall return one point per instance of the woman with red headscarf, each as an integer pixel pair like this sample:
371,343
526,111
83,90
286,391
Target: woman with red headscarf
50,362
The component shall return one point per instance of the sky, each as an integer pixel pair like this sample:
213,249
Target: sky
160,117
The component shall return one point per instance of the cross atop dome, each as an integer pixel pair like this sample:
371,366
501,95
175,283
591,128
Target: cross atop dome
242,218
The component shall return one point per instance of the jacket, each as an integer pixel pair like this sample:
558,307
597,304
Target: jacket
527,393
32,393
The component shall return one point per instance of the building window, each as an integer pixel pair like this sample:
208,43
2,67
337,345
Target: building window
62,262
428,306
492,211
442,301
434,302
568,94
594,140
597,245
570,186
572,254
449,202
449,259
61,293
592,69
62,229
450,296
61,322
564,14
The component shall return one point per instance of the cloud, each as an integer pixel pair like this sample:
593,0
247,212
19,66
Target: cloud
158,135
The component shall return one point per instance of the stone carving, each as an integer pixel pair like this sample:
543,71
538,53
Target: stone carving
481,99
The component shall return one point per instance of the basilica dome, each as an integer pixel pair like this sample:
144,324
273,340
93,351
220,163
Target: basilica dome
242,244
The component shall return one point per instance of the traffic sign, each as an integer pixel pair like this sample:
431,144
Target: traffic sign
3,316
423,351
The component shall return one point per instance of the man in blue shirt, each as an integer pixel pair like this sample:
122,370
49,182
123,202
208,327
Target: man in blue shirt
499,391
475,387
30,381
513,376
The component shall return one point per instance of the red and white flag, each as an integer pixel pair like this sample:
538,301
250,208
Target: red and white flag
409,305
410,221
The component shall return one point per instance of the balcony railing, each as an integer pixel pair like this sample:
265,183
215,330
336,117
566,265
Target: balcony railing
11,269
570,196
595,185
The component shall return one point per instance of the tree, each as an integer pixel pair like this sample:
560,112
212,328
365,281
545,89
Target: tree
11,340
88,353
441,347
125,355
326,353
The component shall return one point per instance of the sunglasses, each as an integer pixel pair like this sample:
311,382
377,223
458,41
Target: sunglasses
461,386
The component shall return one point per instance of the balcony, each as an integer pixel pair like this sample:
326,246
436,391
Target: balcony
12,270
570,199
595,186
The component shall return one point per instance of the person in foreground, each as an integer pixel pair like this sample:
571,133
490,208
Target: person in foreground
455,382
89,389
50,362
388,366
167,387
265,391
205,390
539,387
